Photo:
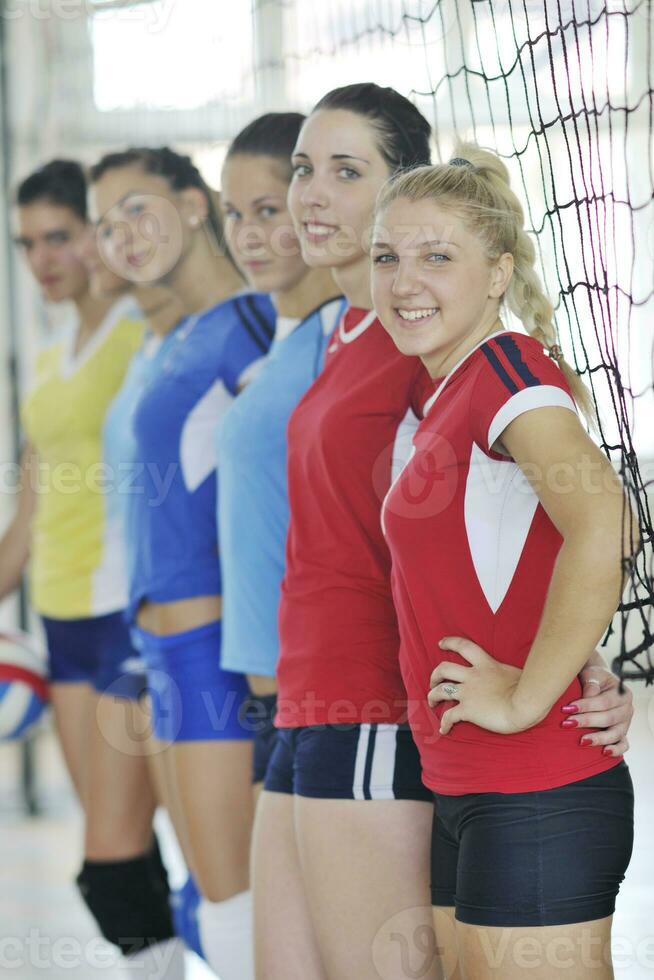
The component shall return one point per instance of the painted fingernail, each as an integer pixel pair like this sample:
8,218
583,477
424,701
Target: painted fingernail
570,709
586,740
607,750
570,723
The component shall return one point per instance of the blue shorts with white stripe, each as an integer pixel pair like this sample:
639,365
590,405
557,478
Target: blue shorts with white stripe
347,762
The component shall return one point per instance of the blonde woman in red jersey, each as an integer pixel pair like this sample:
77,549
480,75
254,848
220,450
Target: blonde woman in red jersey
533,830
343,786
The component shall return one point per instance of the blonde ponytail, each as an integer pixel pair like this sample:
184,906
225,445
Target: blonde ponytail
525,298
476,185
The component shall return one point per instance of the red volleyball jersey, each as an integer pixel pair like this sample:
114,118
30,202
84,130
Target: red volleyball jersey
348,436
473,553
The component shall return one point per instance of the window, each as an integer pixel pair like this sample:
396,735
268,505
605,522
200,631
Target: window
171,54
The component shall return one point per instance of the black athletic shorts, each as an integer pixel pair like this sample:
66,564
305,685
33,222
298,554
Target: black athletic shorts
347,762
259,711
552,857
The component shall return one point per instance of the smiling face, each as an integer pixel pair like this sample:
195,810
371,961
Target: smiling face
433,287
49,236
338,171
144,227
257,223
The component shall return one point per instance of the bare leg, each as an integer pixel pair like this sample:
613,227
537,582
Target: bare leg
366,869
120,799
285,942
213,783
153,751
120,803
581,952
72,705
446,942
162,776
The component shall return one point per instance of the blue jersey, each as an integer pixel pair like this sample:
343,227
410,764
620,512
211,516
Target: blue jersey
171,527
253,511
122,473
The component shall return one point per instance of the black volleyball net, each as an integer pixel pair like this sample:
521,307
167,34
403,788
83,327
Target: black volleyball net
563,92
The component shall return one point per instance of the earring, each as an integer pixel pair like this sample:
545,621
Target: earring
194,221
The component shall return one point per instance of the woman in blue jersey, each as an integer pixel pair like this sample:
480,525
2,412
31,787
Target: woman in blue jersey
157,224
162,310
77,579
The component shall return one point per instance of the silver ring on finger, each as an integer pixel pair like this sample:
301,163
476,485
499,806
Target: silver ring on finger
451,690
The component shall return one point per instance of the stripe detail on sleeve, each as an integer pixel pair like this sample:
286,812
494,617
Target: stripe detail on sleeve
494,362
253,323
514,357
267,329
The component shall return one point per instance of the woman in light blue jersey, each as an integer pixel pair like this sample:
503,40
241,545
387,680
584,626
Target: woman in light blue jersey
251,437
253,504
158,225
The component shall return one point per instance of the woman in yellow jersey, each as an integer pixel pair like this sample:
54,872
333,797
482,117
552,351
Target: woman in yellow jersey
77,580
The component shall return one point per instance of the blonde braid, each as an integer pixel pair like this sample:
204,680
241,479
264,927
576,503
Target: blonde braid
525,298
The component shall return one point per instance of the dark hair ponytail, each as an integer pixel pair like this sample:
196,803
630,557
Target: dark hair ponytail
178,169
271,135
403,132
61,182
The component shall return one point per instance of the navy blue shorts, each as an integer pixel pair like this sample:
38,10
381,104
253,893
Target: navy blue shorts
192,697
347,762
97,651
259,712
552,857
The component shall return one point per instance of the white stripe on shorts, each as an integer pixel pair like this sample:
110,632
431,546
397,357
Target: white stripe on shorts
383,763
379,785
360,763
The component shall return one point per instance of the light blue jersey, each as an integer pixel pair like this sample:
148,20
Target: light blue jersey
253,511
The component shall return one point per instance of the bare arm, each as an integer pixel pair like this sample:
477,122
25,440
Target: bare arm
597,527
15,542
584,499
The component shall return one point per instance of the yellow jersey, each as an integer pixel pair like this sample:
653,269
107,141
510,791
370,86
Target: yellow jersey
77,565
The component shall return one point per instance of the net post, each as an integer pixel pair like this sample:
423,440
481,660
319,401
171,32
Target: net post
270,64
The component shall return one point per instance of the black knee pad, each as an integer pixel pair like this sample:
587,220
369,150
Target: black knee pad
129,900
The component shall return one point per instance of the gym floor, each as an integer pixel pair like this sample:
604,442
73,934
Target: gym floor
46,931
